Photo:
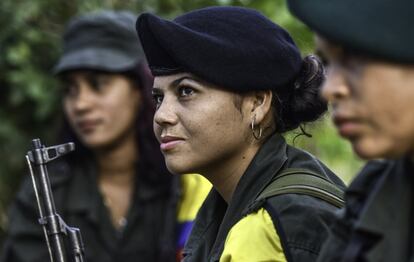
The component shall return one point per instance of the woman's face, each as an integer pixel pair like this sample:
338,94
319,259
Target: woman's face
198,125
101,108
372,102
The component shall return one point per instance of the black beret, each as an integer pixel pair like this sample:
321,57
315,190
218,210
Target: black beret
378,28
233,47
106,41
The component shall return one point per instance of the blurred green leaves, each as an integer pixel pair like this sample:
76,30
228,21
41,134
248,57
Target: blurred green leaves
30,107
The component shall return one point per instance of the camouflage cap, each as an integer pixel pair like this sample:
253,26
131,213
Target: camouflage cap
106,41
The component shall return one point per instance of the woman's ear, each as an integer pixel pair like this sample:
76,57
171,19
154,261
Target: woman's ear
262,103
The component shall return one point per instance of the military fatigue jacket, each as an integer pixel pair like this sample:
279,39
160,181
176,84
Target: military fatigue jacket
299,220
377,223
148,233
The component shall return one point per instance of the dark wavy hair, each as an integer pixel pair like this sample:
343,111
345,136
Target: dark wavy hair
150,155
300,102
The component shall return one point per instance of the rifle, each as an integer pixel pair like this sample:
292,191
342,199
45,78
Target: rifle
54,228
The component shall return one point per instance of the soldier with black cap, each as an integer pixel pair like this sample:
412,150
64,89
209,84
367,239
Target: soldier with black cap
115,186
228,83
368,46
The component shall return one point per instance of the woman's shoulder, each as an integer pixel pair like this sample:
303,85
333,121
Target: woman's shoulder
254,238
23,212
304,221
59,174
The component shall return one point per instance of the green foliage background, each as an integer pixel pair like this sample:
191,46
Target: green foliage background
30,33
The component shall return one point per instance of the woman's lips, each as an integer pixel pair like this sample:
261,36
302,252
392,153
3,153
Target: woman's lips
87,126
348,127
170,142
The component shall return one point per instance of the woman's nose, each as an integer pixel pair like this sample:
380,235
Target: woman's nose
166,113
84,99
335,87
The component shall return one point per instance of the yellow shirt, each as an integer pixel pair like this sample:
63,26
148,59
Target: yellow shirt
253,238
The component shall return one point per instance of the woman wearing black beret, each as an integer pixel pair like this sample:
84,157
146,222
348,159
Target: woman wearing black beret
368,46
228,83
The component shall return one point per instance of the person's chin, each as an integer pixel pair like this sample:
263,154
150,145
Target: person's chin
94,143
363,154
373,149
177,167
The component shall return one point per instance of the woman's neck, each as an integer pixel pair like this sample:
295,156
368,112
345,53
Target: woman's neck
116,176
226,175
118,163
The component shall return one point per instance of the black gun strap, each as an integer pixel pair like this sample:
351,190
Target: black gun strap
303,181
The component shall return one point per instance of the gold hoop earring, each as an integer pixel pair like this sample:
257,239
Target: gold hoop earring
254,131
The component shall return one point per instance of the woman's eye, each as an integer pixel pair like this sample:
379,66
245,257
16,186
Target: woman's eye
157,98
185,91
69,90
98,82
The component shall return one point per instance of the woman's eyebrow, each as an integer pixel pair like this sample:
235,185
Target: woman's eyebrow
176,82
